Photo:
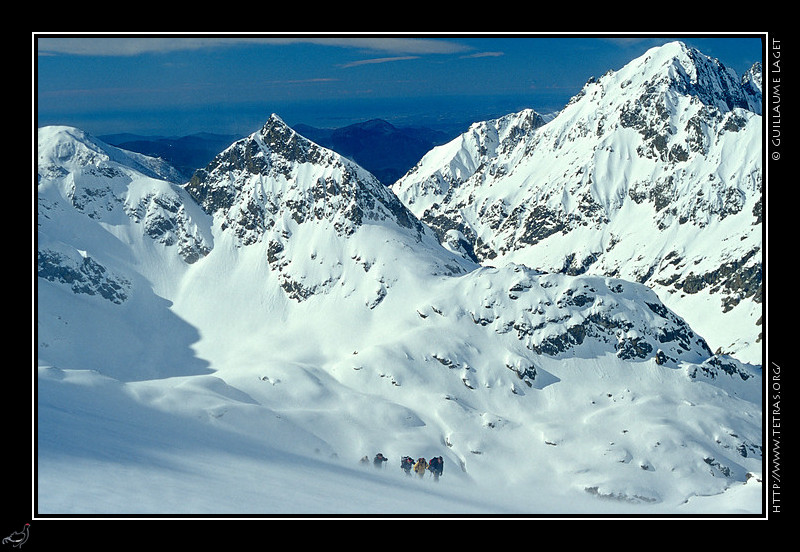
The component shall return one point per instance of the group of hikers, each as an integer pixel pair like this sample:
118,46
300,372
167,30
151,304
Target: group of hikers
407,464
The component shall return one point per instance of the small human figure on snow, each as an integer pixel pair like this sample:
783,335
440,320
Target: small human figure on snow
379,460
436,466
420,467
406,463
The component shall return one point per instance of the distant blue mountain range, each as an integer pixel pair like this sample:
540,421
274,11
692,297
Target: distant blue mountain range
386,151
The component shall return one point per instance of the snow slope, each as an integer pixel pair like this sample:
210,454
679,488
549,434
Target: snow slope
194,445
237,344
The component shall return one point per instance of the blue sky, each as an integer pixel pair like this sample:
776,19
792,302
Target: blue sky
182,84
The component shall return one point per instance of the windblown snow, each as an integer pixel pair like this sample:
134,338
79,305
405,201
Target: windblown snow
237,344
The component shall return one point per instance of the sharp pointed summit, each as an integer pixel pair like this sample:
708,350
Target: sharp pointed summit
276,171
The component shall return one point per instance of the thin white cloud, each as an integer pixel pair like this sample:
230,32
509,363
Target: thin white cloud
483,55
396,45
378,60
120,45
307,81
136,45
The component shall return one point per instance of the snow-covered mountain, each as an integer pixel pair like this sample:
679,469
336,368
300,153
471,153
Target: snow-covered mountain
237,343
652,173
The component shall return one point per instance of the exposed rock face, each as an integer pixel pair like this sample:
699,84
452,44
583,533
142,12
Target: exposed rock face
83,275
552,315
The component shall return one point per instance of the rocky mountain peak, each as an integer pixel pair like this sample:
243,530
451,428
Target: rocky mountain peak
303,207
647,158
676,70
276,174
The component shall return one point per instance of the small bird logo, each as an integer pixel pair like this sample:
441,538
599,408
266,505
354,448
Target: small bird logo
18,538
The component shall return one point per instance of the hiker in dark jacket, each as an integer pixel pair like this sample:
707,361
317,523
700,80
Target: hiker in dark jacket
436,466
379,460
406,463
